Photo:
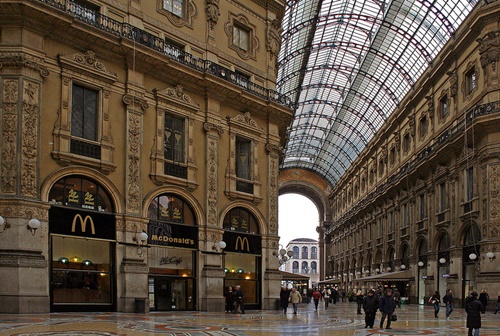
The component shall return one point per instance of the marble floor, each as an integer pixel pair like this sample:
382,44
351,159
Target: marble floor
339,319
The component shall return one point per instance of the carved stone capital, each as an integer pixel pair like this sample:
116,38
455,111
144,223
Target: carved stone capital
212,127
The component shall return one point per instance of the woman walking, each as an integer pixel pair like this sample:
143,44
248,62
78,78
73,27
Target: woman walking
473,308
484,297
229,299
284,298
370,306
435,300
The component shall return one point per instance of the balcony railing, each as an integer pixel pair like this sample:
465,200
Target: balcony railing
144,38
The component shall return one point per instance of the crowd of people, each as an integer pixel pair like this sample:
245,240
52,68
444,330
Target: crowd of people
386,301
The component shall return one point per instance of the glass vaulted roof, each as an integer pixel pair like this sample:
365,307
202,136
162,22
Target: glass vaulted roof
347,64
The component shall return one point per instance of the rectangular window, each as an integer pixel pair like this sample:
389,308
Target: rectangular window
443,106
406,142
174,134
470,80
404,215
421,201
390,219
392,156
243,158
380,226
241,37
442,197
84,112
423,126
175,7
469,184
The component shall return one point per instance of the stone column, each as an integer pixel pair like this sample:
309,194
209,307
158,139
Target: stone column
23,256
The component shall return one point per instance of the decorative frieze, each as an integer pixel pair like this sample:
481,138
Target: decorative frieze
22,258
29,138
212,179
9,135
133,163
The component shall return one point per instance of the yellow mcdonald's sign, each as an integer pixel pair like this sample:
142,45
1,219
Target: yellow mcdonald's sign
242,241
83,223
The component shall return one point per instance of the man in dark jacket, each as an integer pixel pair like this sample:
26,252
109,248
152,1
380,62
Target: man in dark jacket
387,307
284,298
473,308
238,300
448,301
370,306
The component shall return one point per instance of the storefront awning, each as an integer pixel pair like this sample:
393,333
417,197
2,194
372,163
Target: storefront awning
391,276
293,276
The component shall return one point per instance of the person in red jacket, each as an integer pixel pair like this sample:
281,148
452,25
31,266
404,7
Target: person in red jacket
316,295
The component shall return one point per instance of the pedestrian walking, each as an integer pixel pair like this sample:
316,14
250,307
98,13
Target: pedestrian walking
484,297
473,308
397,297
435,299
344,295
370,306
229,299
335,295
316,295
359,300
238,300
295,299
326,296
448,301
284,298
387,307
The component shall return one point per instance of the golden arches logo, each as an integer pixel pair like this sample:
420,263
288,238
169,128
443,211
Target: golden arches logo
83,223
242,241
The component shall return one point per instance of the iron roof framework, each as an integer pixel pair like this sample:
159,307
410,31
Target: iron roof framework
347,64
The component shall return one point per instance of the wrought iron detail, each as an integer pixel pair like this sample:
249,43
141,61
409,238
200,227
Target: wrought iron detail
175,170
85,149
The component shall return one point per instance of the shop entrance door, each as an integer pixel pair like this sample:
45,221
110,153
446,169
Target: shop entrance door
173,294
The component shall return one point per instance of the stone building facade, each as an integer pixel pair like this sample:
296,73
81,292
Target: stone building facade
139,137
419,207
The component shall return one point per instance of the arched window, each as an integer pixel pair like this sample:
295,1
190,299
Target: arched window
314,267
295,267
305,267
80,192
471,244
314,252
305,251
405,257
171,208
241,220
296,253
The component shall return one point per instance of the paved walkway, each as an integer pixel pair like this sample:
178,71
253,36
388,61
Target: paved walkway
339,319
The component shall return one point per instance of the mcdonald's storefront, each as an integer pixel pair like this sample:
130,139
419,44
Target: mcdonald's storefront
242,265
82,268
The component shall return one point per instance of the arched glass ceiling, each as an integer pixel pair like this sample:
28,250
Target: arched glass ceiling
347,64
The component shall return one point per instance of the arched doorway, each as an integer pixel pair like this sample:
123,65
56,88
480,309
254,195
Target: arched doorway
470,257
443,262
173,240
242,258
82,236
422,271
